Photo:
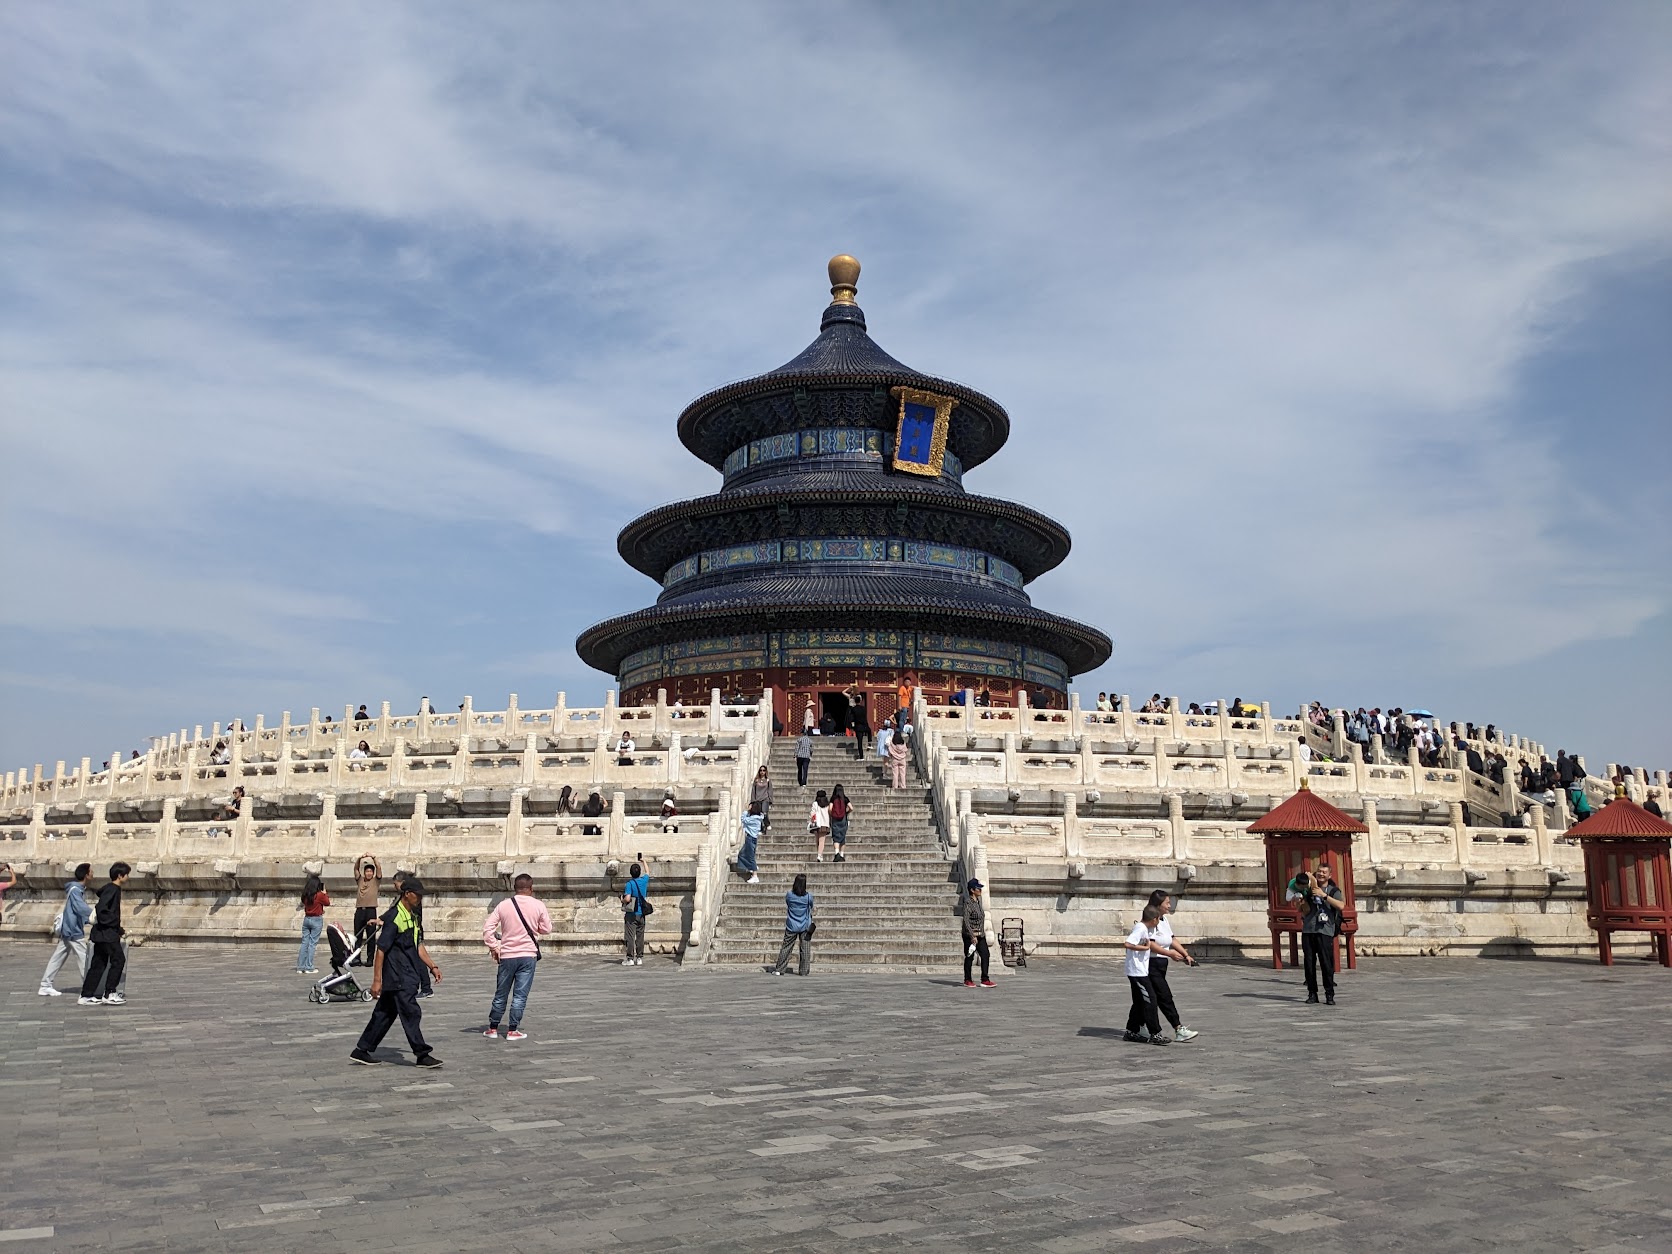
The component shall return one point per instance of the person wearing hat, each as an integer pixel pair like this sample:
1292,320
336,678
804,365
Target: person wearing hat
400,956
975,935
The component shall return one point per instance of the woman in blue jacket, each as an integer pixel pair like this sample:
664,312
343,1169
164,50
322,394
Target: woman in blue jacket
751,839
798,927
71,936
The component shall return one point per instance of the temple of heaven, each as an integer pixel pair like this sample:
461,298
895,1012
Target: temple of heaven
841,549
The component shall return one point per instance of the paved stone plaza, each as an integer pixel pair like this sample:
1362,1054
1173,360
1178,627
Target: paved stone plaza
1445,1104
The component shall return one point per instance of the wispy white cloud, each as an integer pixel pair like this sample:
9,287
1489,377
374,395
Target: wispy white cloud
1261,291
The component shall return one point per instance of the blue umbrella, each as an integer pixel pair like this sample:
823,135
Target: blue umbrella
1420,713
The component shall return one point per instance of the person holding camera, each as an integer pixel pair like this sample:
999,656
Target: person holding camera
634,909
1321,902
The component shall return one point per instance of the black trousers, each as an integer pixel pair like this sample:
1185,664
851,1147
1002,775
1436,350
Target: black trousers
1142,1014
396,1003
104,972
861,738
362,916
801,765
1162,990
981,951
1320,951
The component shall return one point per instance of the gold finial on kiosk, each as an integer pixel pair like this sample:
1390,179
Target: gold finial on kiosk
844,279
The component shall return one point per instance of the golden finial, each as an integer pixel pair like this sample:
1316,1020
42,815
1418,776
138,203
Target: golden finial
844,279
1305,784
1619,791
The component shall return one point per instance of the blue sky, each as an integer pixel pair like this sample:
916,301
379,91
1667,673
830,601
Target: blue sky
339,341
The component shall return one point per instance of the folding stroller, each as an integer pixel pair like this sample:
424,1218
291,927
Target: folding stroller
340,985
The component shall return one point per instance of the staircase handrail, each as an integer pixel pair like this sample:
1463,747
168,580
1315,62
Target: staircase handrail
957,830
711,873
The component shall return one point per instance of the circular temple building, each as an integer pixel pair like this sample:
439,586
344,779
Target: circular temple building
842,549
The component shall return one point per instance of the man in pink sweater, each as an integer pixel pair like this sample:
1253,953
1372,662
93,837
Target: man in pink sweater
510,934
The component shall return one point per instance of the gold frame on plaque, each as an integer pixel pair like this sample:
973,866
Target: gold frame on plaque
942,405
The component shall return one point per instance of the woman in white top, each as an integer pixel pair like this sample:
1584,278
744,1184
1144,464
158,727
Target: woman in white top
670,812
818,821
624,750
357,756
1173,949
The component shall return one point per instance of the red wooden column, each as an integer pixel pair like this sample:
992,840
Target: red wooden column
1628,876
1302,832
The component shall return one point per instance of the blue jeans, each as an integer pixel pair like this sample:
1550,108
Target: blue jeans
516,977
312,929
746,855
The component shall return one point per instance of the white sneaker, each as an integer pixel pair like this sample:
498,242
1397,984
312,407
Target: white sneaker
1185,1034
820,858
50,992
626,962
638,962
116,999
89,1001
753,879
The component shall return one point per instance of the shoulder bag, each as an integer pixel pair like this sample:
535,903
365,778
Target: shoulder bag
526,928
645,908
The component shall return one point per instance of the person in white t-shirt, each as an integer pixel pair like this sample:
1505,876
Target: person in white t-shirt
1139,946
1303,751
1173,949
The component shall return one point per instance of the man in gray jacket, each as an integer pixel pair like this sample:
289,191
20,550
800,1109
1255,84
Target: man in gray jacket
71,937
803,757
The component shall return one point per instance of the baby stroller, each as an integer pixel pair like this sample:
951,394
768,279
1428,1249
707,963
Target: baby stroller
340,985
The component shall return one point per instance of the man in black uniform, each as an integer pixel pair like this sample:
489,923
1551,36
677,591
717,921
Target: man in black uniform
400,956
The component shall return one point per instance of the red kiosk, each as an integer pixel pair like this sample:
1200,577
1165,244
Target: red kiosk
1628,876
1300,833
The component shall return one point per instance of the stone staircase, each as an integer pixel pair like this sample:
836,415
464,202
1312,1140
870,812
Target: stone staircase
892,904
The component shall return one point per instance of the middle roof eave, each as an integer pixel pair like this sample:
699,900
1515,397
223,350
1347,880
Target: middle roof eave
645,543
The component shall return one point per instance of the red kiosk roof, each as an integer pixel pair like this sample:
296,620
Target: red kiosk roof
1622,817
1307,812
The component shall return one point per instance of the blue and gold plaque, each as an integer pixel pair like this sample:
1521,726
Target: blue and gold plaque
920,438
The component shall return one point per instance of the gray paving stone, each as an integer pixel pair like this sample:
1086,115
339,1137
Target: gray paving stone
1443,1105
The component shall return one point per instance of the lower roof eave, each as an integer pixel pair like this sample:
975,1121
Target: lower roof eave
1081,647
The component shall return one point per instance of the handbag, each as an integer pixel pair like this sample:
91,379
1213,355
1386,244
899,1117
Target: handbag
526,928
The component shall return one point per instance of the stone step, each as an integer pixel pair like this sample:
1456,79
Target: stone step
776,883
844,957
891,905
876,930
853,871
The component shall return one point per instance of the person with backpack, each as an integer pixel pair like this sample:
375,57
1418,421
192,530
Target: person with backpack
105,971
69,931
314,901
840,812
635,908
512,933
798,928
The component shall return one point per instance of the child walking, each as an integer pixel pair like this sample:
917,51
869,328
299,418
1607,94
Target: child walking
1139,946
